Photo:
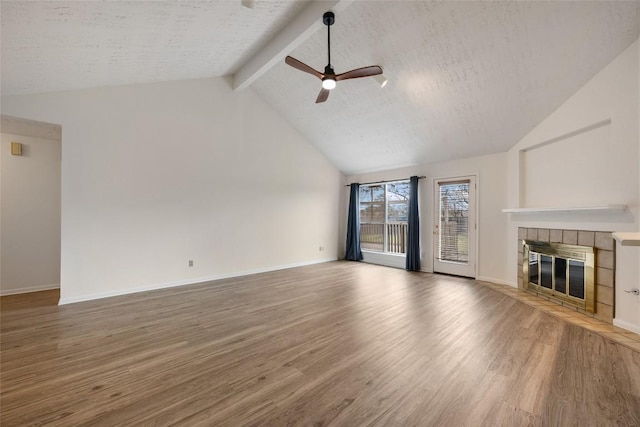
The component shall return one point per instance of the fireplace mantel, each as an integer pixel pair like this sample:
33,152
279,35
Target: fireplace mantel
608,209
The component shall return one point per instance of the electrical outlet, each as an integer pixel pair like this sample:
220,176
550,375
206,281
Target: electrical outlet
190,263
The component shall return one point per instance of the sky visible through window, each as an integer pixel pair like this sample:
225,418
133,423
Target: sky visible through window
372,203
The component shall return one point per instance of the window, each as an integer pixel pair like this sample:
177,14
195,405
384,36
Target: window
384,210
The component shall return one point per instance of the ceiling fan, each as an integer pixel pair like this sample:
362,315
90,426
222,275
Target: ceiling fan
329,77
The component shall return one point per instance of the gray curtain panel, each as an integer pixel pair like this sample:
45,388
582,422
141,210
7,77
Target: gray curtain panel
413,233
353,252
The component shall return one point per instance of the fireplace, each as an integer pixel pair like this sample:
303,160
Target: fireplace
558,267
563,272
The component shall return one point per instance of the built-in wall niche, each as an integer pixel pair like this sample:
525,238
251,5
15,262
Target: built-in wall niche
574,169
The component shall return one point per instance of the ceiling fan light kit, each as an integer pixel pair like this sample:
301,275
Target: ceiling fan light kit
329,78
328,83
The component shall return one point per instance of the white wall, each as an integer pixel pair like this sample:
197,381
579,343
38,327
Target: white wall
30,208
593,144
155,175
492,197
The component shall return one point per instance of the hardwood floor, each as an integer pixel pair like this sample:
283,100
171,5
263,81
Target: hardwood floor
340,343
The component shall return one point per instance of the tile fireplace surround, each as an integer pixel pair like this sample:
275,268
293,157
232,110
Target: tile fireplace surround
604,265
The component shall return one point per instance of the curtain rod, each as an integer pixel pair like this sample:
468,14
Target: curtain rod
383,182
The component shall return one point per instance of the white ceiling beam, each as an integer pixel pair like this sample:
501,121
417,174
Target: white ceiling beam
301,28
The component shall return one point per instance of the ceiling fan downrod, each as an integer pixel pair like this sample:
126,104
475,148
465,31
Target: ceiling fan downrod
329,19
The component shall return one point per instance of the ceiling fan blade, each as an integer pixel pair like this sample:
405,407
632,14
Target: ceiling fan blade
322,96
372,70
302,66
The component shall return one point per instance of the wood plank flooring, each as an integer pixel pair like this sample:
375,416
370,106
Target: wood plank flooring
340,344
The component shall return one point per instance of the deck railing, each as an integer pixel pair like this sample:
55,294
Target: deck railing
372,237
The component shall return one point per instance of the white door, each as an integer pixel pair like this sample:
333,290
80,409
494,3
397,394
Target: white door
455,226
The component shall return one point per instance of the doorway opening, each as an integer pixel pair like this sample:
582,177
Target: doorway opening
31,205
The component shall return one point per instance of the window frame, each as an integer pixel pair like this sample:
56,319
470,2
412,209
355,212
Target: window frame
386,222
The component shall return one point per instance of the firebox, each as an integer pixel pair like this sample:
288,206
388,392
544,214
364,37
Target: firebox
560,271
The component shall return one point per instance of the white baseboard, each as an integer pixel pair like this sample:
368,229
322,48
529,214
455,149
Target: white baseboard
627,325
498,281
71,300
387,260
29,289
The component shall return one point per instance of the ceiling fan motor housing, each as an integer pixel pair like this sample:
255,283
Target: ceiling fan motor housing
328,71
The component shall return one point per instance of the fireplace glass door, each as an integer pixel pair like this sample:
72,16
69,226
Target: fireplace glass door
554,273
564,272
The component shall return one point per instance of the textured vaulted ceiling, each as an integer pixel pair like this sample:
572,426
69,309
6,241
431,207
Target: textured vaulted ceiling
465,78
60,45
